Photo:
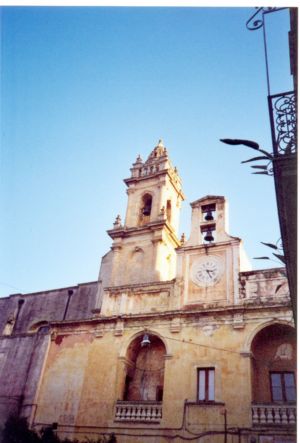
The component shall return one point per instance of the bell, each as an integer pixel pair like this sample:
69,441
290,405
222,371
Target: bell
208,216
147,210
208,236
145,341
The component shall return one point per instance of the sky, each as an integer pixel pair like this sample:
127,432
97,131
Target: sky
84,90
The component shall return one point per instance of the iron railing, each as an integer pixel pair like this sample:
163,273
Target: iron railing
283,119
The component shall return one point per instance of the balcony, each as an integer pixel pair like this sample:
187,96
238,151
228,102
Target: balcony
273,414
138,411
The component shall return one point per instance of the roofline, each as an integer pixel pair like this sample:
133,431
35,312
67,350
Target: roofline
208,197
18,294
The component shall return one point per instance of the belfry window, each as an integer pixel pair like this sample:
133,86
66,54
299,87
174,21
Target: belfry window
146,207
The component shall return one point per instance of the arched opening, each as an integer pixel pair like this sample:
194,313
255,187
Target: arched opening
144,379
274,364
169,210
145,210
41,327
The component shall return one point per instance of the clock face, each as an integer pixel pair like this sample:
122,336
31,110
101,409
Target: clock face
207,270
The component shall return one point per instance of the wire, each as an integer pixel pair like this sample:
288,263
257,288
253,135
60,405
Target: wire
11,286
190,342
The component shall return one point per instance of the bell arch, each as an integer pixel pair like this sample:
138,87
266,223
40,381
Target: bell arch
144,368
140,333
145,209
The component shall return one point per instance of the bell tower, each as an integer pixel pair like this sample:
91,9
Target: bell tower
144,247
209,262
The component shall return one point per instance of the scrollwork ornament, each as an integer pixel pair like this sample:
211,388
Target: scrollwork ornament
285,123
256,23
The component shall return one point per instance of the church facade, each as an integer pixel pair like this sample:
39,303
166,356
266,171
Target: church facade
177,340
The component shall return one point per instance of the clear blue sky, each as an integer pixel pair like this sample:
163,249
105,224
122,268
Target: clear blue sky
84,90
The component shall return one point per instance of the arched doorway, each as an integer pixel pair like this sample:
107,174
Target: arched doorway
145,370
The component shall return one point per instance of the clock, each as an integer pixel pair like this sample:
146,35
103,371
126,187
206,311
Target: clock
207,270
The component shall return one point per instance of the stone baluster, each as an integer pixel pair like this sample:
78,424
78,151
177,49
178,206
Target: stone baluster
148,414
292,416
122,413
153,415
255,417
128,413
277,418
133,413
263,415
143,414
269,414
138,412
284,416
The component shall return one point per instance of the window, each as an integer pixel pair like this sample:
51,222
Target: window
206,384
283,386
169,210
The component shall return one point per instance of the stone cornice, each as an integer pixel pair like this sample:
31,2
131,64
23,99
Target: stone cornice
125,232
136,287
214,311
131,180
209,247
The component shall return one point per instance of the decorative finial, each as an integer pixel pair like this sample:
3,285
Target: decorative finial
162,213
139,159
117,223
161,143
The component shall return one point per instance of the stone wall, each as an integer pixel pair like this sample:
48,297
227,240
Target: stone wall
25,338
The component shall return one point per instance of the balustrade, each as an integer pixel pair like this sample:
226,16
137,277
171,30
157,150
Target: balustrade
138,411
263,414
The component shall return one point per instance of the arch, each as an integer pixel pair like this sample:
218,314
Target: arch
273,363
260,327
35,327
140,333
145,207
144,369
147,204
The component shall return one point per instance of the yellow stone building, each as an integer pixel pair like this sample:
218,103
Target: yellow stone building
178,340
